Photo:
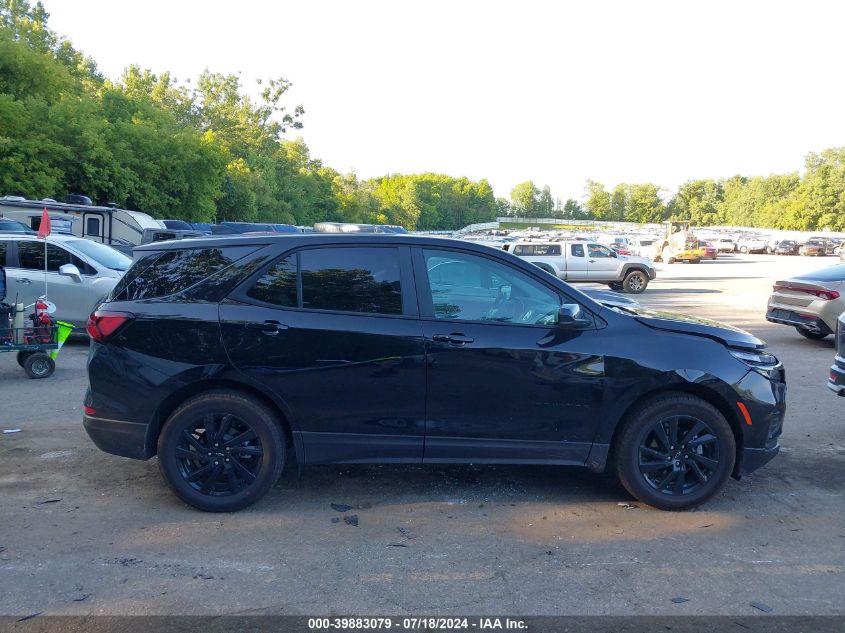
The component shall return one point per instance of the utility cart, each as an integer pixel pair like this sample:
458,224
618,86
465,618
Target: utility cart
36,337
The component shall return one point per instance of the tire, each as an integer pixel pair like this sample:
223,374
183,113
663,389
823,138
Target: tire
239,474
695,261
617,286
635,282
813,336
39,365
744,250
639,452
22,356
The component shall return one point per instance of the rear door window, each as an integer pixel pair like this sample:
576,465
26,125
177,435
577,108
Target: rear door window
339,279
351,280
577,250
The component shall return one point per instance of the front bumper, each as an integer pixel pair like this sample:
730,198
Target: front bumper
126,439
754,458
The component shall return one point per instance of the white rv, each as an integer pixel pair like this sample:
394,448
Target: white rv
77,216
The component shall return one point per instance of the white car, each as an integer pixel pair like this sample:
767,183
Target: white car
80,273
725,245
752,245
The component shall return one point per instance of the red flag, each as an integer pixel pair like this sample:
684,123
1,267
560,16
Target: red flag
44,227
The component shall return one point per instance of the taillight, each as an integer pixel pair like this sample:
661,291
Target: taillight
827,295
102,324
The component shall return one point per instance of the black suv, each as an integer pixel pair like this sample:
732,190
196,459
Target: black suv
226,356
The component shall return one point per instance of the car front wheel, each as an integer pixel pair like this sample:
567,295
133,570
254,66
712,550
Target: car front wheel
635,282
675,452
221,451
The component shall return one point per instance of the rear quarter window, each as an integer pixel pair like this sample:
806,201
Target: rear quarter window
164,273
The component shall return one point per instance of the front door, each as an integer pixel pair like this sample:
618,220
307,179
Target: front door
504,383
334,333
26,278
602,263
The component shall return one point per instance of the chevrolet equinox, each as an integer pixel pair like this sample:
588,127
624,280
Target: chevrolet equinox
227,356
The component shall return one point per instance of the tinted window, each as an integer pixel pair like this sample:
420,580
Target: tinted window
523,249
165,273
2,253
31,257
351,279
278,285
472,288
577,250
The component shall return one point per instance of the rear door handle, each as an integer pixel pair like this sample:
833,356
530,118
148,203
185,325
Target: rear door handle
456,338
270,328
24,280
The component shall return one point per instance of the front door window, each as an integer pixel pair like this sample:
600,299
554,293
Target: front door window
468,287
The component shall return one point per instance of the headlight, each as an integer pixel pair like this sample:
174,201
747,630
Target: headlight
762,362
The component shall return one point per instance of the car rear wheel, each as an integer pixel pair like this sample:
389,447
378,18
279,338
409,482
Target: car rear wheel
675,452
635,282
813,336
221,451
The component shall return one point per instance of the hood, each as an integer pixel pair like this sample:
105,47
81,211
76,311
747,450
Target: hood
686,324
636,259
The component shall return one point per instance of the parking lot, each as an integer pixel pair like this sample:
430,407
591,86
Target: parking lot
83,532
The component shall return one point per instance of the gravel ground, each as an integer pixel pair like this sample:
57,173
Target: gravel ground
82,532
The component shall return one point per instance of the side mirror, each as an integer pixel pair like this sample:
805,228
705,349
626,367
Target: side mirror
569,316
613,253
69,270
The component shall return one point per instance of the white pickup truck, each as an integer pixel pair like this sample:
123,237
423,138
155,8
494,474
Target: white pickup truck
588,261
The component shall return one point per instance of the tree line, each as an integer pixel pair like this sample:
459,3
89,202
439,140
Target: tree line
205,151
814,200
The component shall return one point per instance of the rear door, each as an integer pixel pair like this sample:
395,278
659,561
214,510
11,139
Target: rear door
576,262
334,333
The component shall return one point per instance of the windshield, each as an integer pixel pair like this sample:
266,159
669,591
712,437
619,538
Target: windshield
102,254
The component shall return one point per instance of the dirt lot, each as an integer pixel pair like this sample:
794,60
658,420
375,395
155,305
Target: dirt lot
82,532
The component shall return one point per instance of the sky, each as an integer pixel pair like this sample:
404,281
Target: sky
554,92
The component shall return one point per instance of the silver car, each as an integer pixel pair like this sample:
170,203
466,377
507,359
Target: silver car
80,273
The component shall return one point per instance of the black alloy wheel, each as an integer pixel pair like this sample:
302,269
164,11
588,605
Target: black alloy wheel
675,451
678,455
220,456
221,451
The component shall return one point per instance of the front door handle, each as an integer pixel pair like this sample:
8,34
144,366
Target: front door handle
455,338
24,280
270,328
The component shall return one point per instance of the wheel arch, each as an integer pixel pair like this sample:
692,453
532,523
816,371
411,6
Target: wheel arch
710,396
175,399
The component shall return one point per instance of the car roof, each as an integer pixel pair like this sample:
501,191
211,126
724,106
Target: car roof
312,239
58,237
